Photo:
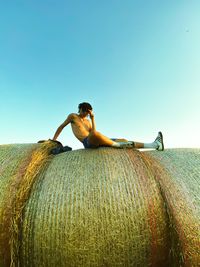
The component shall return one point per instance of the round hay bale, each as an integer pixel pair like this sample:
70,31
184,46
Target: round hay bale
178,173
101,207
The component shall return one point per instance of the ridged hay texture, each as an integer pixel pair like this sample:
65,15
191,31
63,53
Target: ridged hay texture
109,207
11,157
95,208
179,179
21,180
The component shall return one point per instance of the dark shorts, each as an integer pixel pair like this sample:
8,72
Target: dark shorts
86,143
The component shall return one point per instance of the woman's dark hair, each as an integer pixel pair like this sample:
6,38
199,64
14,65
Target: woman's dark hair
84,106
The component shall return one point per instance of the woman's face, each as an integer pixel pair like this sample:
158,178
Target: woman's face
84,113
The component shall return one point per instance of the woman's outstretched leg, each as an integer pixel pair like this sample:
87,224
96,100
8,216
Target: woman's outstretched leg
97,139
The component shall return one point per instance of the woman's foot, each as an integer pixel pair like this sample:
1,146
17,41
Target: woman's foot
159,142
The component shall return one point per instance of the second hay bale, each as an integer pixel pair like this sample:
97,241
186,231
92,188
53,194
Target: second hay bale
95,208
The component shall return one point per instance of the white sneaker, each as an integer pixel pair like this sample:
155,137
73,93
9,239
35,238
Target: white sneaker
159,142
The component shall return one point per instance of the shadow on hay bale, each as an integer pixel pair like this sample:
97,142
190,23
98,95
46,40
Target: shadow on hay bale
103,207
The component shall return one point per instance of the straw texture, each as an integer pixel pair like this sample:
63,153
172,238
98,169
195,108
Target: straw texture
101,207
178,174
15,197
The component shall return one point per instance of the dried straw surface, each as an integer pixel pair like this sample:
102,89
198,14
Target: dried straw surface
178,173
11,157
102,207
95,208
16,194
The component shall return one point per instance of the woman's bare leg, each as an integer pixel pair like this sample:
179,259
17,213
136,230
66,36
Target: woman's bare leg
138,145
97,139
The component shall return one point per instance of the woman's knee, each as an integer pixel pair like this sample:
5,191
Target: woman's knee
93,138
94,133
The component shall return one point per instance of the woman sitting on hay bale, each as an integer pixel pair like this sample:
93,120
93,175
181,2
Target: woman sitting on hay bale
85,131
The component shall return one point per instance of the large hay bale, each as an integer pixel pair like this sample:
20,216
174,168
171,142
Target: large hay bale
101,207
178,174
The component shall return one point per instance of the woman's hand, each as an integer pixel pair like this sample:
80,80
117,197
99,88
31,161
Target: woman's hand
91,114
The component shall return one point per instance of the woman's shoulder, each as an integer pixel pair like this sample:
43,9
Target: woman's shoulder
73,116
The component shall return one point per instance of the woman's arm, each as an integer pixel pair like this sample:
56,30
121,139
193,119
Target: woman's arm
60,128
92,120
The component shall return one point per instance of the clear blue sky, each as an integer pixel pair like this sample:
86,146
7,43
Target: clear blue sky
136,62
